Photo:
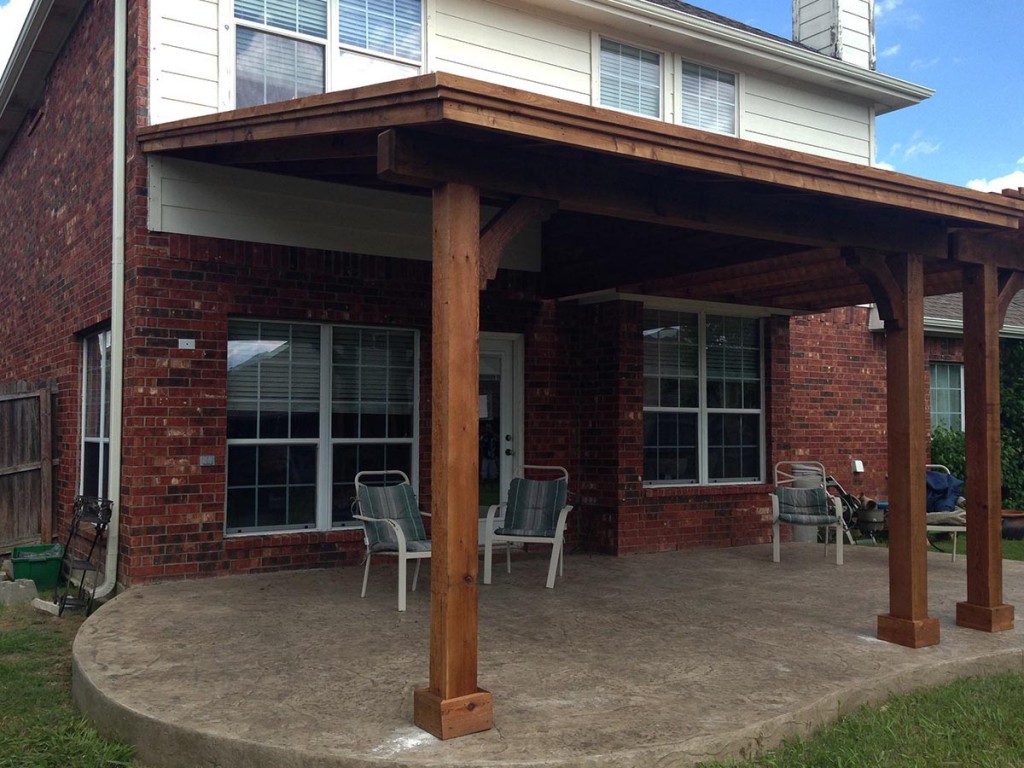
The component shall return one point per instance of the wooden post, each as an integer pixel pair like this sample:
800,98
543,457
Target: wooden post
984,608
907,622
453,705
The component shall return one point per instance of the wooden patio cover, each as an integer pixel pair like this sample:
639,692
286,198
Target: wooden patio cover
719,219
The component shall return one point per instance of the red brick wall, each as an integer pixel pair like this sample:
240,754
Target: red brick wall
55,236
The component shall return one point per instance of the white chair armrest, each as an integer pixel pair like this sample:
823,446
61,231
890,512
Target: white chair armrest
562,516
492,512
399,533
838,503
775,507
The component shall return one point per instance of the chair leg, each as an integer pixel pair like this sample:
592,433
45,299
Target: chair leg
827,529
366,574
561,559
839,545
775,541
401,581
488,546
556,551
508,556
954,546
416,573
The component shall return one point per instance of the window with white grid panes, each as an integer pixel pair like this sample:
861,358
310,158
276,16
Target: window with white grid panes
947,395
308,407
290,48
93,480
708,98
630,79
703,419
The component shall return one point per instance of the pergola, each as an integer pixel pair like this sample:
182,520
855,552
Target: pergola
701,216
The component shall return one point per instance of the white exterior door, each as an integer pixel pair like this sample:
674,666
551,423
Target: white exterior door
501,417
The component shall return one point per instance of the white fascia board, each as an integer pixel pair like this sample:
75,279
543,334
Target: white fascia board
744,48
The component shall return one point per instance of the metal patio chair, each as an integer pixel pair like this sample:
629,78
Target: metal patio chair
535,513
800,498
391,524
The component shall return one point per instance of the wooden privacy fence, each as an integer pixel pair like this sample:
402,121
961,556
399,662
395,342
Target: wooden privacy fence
26,469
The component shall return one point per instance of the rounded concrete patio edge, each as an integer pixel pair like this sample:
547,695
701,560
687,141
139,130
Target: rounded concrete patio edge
167,745
174,694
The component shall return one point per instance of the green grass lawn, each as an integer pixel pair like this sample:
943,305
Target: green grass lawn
973,723
39,727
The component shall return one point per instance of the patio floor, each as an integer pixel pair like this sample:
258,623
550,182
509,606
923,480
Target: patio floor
651,660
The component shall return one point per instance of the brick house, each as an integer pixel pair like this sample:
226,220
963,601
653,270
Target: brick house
242,243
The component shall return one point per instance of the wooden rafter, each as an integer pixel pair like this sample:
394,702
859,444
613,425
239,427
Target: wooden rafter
597,185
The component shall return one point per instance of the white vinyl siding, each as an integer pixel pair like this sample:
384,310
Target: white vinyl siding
190,198
630,79
184,63
511,47
785,115
708,98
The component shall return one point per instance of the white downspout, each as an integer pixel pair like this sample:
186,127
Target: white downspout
116,296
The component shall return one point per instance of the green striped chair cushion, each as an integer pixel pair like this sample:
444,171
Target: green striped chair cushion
804,506
394,502
533,507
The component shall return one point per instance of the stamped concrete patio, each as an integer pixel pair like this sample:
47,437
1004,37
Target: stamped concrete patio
654,660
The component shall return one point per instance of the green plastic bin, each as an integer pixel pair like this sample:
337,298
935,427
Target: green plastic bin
39,562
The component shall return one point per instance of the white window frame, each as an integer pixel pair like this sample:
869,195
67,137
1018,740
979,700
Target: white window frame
703,410
663,72
683,60
325,442
334,49
950,366
103,438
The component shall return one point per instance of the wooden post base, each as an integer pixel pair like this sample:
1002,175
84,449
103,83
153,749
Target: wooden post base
451,718
912,633
986,618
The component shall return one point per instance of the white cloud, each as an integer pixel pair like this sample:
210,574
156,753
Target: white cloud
921,148
12,17
1020,161
919,64
892,50
885,166
883,7
1014,180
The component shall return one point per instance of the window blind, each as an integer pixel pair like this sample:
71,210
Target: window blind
390,27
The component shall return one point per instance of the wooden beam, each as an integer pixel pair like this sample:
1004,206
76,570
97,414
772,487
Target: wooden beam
900,281
1004,249
502,229
453,705
984,608
466,106
890,294
1010,284
592,183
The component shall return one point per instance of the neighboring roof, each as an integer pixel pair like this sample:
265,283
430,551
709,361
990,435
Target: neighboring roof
945,314
47,26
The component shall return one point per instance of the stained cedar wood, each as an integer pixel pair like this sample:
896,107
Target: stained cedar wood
984,608
443,99
454,471
899,284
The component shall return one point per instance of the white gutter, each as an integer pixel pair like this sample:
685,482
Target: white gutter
116,297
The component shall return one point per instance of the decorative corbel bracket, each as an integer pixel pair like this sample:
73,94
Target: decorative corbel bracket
502,229
890,297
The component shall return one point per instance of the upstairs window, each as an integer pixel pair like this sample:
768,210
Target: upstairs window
630,79
283,48
280,50
709,98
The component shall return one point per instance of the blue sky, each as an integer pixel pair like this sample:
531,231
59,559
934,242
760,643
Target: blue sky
970,132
